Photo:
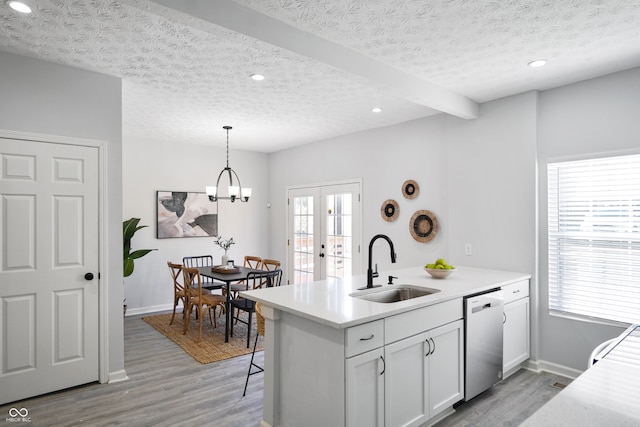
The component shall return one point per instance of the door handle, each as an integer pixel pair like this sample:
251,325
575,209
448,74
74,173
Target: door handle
384,365
88,276
321,255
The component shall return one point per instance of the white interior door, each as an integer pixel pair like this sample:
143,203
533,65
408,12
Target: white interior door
324,235
48,298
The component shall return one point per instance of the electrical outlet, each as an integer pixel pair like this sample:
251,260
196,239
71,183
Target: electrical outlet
468,249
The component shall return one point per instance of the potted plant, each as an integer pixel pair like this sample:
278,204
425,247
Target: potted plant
129,228
225,245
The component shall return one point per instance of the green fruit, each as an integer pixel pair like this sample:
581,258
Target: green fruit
440,261
439,267
431,266
449,267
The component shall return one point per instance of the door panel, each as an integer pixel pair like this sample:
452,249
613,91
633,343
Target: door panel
324,232
49,226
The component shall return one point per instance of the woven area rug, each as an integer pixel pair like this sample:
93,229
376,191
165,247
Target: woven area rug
211,347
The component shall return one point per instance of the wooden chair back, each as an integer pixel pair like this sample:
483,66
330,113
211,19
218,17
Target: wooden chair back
270,264
199,299
179,293
176,275
251,261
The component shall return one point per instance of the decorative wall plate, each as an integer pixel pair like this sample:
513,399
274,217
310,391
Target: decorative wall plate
389,210
410,189
423,226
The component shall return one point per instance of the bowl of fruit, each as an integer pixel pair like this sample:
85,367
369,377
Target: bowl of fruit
439,269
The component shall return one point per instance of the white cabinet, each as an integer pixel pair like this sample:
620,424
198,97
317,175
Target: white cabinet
424,375
516,327
446,361
406,390
411,379
365,389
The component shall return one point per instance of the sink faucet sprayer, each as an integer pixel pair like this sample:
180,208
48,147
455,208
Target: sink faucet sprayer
370,273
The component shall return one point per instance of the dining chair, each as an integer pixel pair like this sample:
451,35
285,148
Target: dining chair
259,331
255,280
250,261
202,261
270,264
179,293
199,299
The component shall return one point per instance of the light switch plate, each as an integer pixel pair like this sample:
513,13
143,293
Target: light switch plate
468,249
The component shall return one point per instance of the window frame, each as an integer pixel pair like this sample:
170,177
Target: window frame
592,238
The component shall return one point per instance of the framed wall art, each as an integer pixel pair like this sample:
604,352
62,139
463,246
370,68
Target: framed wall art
184,214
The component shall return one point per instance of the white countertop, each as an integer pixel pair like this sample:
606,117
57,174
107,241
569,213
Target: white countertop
604,395
328,301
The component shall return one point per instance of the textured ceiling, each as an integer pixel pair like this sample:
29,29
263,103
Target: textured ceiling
185,65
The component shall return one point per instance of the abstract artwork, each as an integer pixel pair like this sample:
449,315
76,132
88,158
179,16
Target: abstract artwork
183,214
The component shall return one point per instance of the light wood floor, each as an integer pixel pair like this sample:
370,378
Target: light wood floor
166,387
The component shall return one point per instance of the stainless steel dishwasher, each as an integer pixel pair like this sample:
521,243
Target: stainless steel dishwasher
483,341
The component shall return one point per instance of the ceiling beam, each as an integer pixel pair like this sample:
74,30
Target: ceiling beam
246,21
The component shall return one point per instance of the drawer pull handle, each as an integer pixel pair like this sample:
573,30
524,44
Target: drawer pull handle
384,365
367,339
517,291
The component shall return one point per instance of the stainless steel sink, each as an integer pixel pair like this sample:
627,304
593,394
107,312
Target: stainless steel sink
394,294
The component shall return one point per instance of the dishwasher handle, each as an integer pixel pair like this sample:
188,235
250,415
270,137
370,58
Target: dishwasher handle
486,306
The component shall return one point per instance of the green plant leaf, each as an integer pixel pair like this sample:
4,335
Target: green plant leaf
139,253
129,228
128,267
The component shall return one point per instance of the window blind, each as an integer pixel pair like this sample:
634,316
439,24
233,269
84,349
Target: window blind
594,238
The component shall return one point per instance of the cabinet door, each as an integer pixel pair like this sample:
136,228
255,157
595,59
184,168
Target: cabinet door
516,333
405,382
445,366
365,389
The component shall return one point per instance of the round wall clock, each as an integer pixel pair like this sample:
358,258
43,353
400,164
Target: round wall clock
423,226
389,210
410,189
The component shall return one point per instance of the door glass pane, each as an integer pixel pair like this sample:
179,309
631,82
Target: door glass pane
303,239
339,237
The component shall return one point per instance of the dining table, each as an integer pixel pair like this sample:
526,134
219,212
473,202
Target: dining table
238,274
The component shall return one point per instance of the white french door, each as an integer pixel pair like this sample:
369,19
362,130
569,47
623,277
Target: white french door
49,260
324,235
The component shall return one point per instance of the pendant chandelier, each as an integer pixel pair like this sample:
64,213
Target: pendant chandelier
235,191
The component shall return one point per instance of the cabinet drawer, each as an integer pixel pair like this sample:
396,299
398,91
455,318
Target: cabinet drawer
516,291
365,337
413,322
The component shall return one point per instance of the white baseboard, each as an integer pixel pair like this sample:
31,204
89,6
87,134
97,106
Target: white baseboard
552,368
150,309
117,376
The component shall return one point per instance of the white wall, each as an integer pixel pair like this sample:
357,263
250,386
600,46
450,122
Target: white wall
599,116
150,166
45,98
384,158
492,189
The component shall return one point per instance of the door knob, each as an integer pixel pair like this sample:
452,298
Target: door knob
88,276
321,255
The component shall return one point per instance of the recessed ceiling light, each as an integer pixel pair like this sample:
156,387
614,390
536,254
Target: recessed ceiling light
376,110
18,6
257,77
537,63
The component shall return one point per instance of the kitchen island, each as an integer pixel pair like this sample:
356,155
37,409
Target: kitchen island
335,359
